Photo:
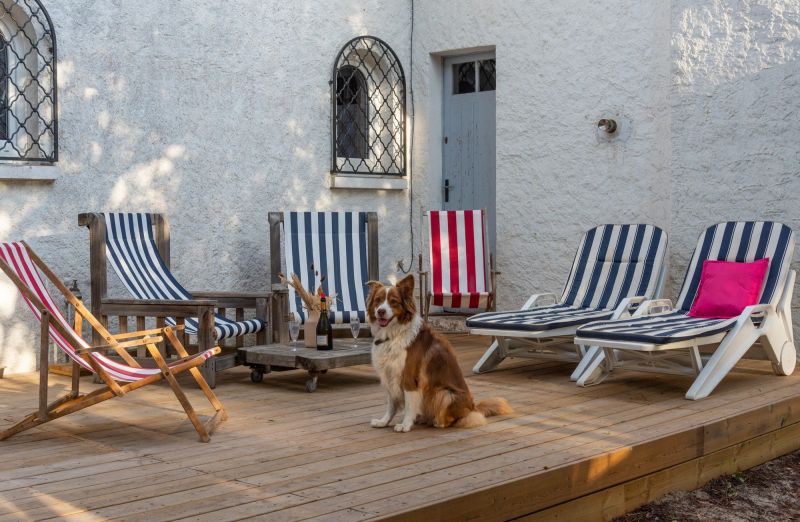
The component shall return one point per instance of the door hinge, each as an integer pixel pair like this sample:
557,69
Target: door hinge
445,140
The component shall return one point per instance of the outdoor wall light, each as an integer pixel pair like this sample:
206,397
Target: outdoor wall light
609,126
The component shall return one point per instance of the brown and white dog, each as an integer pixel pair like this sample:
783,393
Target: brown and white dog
418,367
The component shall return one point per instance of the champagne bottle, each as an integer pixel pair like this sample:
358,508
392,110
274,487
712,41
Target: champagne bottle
324,330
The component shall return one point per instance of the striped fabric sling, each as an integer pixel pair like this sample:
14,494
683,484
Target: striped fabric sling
612,262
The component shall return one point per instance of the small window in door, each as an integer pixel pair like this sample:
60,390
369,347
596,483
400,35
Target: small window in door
487,75
464,76
476,76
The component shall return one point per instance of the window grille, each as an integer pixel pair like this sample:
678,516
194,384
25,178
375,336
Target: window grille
28,100
368,105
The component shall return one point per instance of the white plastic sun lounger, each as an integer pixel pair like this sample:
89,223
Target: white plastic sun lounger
664,339
616,267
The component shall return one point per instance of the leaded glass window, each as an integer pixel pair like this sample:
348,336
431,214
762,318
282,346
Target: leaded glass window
28,98
368,105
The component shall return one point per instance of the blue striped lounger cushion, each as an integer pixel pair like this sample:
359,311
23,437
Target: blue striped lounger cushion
613,262
741,241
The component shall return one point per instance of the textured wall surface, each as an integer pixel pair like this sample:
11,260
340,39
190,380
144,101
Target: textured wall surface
735,102
216,117
213,116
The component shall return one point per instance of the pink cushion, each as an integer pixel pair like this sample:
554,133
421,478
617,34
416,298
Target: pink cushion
727,287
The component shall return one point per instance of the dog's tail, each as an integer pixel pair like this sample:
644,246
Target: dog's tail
485,408
494,406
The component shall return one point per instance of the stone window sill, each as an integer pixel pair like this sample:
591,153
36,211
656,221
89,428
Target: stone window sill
10,171
368,181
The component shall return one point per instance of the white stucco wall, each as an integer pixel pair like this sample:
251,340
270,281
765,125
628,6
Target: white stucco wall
212,114
169,107
735,101
561,67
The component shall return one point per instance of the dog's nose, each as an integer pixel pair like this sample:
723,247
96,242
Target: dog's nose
381,312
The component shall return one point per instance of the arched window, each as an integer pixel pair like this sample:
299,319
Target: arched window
28,100
352,113
368,105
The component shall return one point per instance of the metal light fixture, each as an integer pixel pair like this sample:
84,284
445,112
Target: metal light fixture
608,126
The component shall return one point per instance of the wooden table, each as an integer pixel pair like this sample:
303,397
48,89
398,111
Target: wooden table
280,357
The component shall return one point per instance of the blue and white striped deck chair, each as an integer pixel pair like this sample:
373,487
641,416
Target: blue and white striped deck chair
341,246
668,340
132,252
616,267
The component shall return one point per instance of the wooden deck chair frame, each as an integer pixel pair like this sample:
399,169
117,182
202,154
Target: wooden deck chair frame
557,344
425,294
104,307
74,401
279,290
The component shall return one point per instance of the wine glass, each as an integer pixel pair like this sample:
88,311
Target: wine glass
355,326
294,329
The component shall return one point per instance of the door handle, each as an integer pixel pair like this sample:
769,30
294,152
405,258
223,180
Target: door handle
447,190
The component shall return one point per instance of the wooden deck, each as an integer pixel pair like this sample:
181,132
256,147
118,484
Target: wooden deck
567,454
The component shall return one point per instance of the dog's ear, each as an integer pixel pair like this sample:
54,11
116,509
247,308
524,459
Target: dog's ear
406,285
373,285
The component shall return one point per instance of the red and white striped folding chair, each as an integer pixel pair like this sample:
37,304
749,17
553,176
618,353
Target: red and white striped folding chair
21,264
462,274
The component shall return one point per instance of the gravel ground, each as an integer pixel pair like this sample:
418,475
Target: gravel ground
769,492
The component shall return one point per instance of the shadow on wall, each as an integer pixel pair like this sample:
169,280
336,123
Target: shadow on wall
187,141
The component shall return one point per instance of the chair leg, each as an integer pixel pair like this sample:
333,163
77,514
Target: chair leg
597,369
221,414
592,353
187,406
209,370
31,421
427,307
728,353
492,357
208,392
778,346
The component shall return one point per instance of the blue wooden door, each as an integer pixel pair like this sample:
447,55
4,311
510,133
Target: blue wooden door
468,177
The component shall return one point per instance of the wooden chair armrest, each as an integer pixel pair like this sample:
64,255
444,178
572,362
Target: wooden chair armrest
155,307
234,299
159,302
125,345
208,294
144,333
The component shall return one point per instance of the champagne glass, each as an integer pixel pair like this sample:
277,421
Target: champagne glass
355,326
294,329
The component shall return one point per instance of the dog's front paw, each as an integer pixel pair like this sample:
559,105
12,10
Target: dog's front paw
402,428
378,423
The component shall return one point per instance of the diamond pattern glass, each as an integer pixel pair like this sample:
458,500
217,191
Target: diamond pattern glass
487,75
368,104
28,100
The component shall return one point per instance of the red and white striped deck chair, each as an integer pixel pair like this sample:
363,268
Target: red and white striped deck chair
21,264
462,272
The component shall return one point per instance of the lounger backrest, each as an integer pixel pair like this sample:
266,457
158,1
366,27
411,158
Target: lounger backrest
16,257
335,245
742,241
132,252
458,256
614,262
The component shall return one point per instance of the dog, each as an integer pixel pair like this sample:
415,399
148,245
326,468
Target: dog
418,367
